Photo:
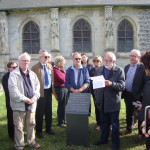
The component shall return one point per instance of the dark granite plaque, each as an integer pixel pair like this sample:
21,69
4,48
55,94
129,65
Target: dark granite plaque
77,112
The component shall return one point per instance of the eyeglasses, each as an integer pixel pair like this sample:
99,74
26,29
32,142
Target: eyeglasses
132,56
24,60
46,57
96,61
14,67
109,61
77,58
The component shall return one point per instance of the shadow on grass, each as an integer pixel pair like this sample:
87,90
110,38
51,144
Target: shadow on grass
3,118
128,142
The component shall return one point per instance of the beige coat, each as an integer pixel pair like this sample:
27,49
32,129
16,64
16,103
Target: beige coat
16,90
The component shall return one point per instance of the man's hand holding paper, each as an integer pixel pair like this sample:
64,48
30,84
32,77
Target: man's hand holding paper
98,82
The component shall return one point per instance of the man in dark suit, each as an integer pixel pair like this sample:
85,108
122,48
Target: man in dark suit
10,66
108,100
44,72
135,78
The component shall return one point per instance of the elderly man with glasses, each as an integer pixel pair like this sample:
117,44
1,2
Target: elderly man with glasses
24,92
134,84
108,100
44,71
77,76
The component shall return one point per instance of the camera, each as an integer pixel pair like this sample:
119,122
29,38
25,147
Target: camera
147,118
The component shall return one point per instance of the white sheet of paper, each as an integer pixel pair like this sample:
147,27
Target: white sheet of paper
98,78
98,82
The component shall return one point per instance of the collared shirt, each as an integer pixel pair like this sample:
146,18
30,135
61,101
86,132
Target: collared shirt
28,90
76,71
49,77
130,77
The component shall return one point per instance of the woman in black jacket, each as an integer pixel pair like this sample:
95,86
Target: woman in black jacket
97,61
85,61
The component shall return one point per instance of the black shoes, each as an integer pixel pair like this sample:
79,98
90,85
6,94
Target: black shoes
50,132
39,135
115,148
99,143
62,125
125,132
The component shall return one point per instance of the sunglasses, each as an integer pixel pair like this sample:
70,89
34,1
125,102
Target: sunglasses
46,57
77,58
96,61
14,67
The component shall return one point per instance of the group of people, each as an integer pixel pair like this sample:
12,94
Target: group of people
29,94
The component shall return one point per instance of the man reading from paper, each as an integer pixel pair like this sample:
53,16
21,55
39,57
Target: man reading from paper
108,99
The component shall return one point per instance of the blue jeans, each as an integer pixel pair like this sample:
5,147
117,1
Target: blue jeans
107,119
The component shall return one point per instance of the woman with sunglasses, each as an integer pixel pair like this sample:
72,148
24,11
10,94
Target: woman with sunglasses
10,66
97,61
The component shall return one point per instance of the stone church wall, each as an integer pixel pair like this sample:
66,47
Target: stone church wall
56,26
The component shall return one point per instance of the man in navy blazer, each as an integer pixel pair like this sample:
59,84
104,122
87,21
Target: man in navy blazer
77,76
135,79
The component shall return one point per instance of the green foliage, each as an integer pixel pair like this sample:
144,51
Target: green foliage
58,142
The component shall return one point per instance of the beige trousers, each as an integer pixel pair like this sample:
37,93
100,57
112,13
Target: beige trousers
24,119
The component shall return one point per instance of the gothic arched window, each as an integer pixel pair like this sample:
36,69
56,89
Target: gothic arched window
82,41
31,38
125,41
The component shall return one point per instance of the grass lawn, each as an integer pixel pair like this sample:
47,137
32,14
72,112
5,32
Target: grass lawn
58,142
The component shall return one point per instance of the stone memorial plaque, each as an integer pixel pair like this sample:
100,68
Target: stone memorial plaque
77,112
78,103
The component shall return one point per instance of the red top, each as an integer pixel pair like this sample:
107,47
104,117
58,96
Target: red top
59,77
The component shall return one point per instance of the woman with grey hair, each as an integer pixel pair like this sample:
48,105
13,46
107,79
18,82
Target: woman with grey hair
60,89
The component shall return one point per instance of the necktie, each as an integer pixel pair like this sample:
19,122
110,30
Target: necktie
46,80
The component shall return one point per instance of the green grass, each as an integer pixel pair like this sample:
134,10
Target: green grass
58,142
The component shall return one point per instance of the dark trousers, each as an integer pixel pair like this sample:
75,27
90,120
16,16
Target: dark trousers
61,93
129,110
44,107
10,124
97,112
140,120
148,143
107,119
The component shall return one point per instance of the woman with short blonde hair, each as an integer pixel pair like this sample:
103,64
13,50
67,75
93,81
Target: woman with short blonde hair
60,89
97,58
59,59
97,61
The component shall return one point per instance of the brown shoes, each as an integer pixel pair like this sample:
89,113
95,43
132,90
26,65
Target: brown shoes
36,146
139,138
125,132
